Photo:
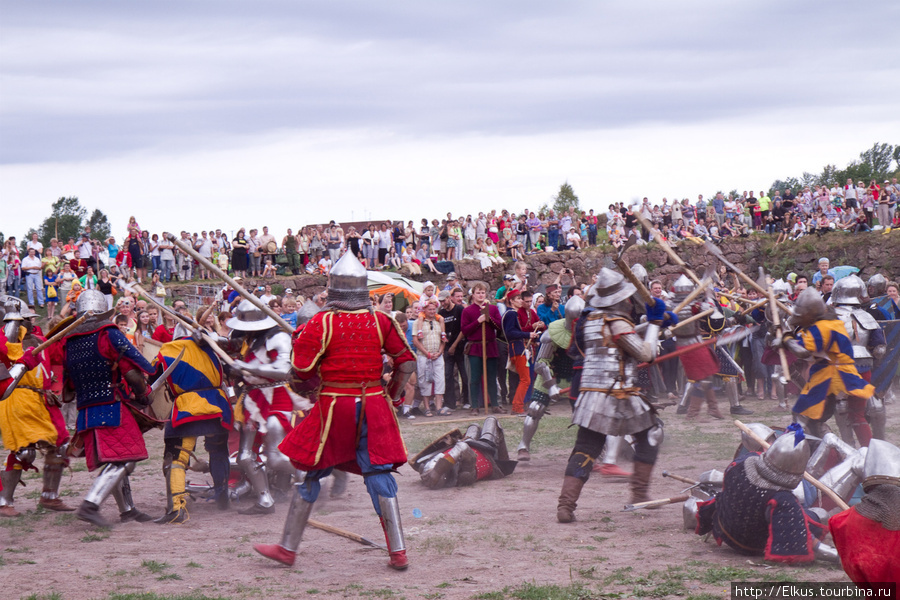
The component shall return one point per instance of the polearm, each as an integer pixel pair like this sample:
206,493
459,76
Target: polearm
186,321
776,319
656,503
717,252
818,484
722,341
209,266
666,248
57,336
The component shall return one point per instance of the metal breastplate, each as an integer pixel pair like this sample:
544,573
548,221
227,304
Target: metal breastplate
689,334
605,367
858,334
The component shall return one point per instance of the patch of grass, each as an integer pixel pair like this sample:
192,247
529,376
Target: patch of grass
174,576
726,575
154,566
312,591
444,585
155,596
64,519
378,593
491,595
574,591
95,537
442,544
194,565
50,596
703,597
599,538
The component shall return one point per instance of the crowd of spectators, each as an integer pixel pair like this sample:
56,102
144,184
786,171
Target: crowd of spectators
47,275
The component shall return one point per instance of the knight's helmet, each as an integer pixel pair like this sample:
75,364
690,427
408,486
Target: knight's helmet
681,288
848,291
882,465
249,317
641,273
785,461
762,431
307,312
91,301
574,308
610,291
877,285
808,308
12,320
348,285
781,288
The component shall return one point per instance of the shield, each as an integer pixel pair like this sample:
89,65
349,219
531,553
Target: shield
886,368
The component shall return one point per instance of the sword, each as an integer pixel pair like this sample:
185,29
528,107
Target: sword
161,380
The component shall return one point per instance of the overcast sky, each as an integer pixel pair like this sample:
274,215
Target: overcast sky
197,115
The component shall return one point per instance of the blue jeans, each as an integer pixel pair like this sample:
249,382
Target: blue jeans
553,238
154,263
34,284
168,269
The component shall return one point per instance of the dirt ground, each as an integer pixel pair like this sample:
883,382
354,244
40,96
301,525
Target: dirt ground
495,540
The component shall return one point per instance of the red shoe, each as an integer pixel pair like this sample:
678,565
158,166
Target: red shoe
276,553
399,560
607,470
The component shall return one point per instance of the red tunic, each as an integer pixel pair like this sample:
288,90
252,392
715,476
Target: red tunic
344,349
869,552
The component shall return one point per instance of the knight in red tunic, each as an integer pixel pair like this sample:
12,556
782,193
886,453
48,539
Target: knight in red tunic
352,426
867,536
107,377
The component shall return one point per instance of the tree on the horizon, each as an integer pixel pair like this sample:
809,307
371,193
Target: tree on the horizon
67,219
880,162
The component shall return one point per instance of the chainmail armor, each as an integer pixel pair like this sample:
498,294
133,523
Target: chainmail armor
347,300
763,475
882,504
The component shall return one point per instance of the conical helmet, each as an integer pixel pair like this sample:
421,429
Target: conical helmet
808,308
249,317
762,431
848,291
877,285
91,301
610,288
882,465
681,288
348,284
785,460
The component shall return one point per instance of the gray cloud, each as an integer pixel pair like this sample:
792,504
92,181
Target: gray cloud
95,80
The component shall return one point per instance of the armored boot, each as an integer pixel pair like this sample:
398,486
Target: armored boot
54,463
10,480
640,482
732,392
393,532
685,400
294,525
109,479
608,469
712,403
841,408
568,499
536,410
127,510
338,482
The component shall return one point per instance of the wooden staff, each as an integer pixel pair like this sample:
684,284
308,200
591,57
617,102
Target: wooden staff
740,299
818,484
344,533
57,336
696,317
186,248
776,319
656,503
666,248
486,311
680,478
753,307
186,321
630,276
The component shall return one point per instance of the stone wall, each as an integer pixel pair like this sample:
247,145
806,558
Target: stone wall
871,252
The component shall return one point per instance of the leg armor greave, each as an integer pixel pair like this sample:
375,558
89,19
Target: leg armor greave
842,418
109,479
876,415
54,464
295,522
473,432
253,470
275,460
815,466
611,454
390,521
685,399
10,481
530,426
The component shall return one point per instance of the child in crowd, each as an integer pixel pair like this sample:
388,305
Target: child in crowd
269,270
51,292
